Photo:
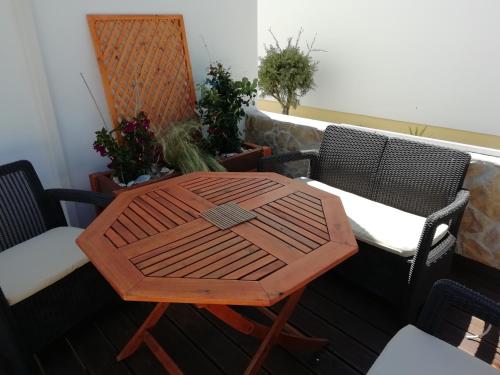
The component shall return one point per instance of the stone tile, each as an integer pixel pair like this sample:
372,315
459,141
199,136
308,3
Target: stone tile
497,260
474,221
473,250
475,170
491,239
486,198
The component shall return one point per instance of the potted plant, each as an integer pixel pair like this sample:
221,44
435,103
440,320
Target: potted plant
139,155
287,73
221,107
134,153
180,143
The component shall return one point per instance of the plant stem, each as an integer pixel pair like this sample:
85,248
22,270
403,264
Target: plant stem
104,124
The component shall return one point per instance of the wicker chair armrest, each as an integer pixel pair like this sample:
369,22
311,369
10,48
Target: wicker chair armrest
451,211
449,215
266,164
82,196
446,293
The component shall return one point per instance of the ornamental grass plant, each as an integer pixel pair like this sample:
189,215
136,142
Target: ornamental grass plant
182,150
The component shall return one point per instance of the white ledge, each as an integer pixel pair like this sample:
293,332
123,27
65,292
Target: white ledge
486,154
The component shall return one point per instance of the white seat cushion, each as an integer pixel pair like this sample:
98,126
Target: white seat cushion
33,265
414,352
379,225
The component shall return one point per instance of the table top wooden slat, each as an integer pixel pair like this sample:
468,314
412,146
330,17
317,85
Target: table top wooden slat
151,243
297,216
317,230
229,263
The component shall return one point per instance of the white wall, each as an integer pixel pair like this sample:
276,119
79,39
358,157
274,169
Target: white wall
425,61
229,28
26,126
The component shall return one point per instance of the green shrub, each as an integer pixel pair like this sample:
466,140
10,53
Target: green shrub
221,107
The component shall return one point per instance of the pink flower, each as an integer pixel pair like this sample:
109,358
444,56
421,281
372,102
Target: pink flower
130,127
100,149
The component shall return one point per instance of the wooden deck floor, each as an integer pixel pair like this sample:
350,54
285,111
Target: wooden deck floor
357,324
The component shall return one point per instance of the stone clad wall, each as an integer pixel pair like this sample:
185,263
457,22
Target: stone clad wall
479,235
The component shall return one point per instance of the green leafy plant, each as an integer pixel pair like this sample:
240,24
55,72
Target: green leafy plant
287,73
417,130
221,107
181,150
131,147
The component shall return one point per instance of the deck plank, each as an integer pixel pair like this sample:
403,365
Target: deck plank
359,329
341,344
279,360
58,358
179,346
322,363
360,303
118,328
95,351
231,358
357,323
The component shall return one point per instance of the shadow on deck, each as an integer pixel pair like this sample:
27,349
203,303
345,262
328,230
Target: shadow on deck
357,324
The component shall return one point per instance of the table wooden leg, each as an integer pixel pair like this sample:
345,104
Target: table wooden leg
289,337
279,333
273,334
144,336
287,328
162,356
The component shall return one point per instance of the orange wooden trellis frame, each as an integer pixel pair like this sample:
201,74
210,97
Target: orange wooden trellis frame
144,64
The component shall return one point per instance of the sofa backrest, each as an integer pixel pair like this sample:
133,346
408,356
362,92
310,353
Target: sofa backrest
412,176
349,159
417,177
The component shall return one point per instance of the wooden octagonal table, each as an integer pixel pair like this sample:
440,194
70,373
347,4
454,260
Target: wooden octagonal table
220,239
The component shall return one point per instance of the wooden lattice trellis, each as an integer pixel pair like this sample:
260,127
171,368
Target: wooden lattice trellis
144,64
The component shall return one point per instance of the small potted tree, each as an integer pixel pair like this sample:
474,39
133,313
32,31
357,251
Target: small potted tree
287,73
221,107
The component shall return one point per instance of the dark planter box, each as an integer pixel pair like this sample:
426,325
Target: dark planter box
244,162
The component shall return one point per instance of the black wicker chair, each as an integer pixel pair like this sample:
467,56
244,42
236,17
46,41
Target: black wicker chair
413,177
27,211
418,350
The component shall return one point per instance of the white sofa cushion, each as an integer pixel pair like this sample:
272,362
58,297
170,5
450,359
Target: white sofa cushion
414,352
33,265
379,225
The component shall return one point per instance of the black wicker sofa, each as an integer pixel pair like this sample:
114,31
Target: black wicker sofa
404,202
